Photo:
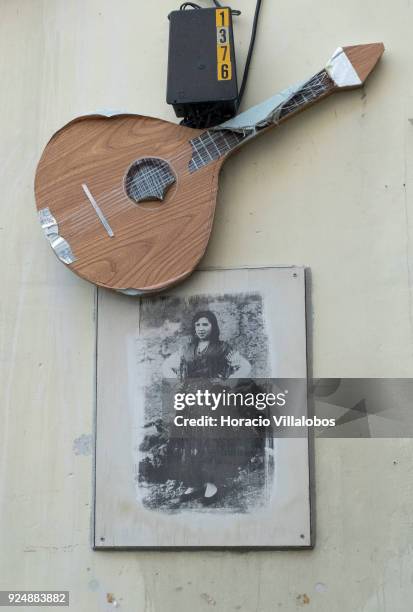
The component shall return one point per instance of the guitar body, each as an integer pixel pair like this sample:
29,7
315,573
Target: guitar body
154,243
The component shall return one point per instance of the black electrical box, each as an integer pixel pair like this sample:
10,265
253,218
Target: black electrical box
201,63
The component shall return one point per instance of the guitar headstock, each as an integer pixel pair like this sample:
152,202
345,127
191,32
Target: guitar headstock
350,66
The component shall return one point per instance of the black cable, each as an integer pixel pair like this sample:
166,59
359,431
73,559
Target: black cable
196,6
191,4
250,52
218,4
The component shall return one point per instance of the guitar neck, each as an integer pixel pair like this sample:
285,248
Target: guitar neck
222,140
317,88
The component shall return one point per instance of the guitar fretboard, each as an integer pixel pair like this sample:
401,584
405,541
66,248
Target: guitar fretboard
319,85
213,144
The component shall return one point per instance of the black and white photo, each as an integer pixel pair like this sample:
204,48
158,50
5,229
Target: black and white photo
219,342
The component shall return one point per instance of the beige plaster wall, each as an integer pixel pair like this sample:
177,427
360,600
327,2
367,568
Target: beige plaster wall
331,189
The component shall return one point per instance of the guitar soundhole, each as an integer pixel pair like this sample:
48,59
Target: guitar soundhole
148,180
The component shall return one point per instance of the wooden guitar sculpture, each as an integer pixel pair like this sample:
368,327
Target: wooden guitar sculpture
127,202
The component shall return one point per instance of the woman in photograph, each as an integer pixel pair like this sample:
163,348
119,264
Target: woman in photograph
211,360
206,356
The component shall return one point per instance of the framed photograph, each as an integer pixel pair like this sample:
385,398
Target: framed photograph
187,455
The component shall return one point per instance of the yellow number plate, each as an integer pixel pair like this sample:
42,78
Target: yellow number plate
224,66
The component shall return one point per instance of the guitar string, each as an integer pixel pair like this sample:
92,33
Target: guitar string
317,85
320,84
160,177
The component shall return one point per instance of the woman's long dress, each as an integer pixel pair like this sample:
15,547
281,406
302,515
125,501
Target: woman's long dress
209,454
